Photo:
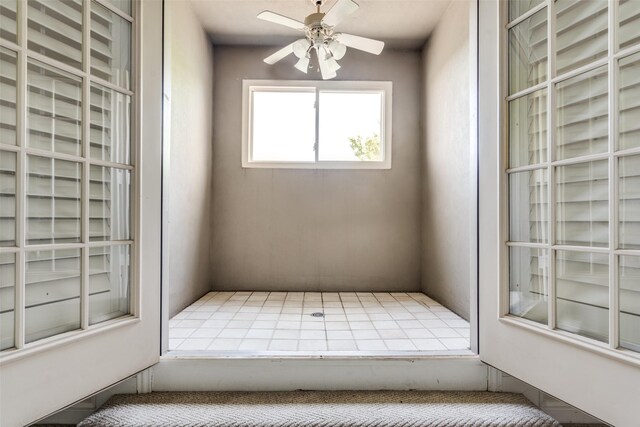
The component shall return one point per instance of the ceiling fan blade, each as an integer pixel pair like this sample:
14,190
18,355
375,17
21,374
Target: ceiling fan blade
326,72
272,59
361,43
280,19
339,11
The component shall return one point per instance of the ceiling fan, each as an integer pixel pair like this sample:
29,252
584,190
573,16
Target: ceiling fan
321,38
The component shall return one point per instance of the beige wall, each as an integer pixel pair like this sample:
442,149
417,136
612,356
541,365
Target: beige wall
188,157
286,229
447,192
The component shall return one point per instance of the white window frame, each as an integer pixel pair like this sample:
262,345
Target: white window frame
22,349
612,347
383,87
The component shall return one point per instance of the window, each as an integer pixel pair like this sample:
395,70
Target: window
573,168
66,166
316,125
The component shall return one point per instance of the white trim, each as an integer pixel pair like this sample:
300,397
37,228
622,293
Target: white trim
559,363
384,87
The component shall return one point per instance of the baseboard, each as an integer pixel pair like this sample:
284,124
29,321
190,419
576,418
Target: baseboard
435,373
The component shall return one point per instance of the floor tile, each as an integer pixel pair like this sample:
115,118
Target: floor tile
342,345
444,333
402,345
259,333
205,333
312,345
232,333
426,344
283,345
225,344
286,334
195,344
371,345
279,322
391,333
254,344
455,343
339,335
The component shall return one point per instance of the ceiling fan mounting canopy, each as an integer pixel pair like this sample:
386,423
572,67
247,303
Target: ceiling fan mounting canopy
321,38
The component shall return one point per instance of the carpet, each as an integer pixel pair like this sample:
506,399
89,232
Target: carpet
320,409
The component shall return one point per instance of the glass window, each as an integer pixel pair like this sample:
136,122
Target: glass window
317,125
582,287
7,299
528,206
528,129
581,33
110,55
528,52
52,297
110,133
8,198
582,125
582,204
8,96
628,23
109,282
54,118
629,102
54,29
283,125
8,15
529,283
109,204
629,203
355,139
630,302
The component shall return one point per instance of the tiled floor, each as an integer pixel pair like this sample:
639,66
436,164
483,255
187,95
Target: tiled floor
277,323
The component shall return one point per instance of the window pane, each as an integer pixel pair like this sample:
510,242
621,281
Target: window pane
109,278
629,102
582,209
581,33
52,293
53,201
7,198
582,286
628,23
8,67
582,115
283,127
529,283
110,133
519,7
630,302
110,46
7,300
629,193
55,30
350,126
528,52
54,117
528,202
109,204
528,129
123,5
8,19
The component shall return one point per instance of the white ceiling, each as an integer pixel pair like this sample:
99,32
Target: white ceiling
399,23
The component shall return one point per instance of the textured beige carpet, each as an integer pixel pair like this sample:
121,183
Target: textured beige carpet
320,409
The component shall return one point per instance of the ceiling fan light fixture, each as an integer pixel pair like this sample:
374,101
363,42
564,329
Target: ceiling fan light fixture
303,64
301,47
319,35
337,49
332,64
